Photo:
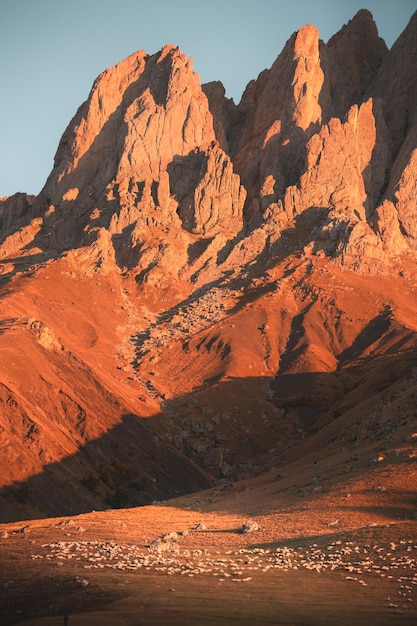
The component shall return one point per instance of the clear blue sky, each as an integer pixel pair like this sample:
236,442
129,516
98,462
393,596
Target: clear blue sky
52,50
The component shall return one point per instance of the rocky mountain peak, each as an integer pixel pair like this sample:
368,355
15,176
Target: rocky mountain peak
308,78
152,148
142,153
161,88
355,55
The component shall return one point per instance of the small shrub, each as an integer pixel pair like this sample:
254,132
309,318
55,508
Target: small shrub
106,476
90,482
118,500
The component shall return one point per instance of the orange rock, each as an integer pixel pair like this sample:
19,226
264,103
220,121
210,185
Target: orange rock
201,282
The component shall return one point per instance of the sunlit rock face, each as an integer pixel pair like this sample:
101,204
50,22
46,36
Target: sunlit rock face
328,132
141,153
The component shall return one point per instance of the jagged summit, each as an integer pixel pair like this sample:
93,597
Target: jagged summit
202,263
152,147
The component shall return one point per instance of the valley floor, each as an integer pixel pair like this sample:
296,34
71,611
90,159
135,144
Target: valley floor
307,559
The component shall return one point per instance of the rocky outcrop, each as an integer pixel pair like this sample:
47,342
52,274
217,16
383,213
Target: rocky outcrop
154,156
308,84
354,57
141,153
280,110
396,85
12,209
346,162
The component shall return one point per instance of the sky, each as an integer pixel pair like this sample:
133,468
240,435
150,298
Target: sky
51,51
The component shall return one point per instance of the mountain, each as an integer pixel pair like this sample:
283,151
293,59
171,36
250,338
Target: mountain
205,290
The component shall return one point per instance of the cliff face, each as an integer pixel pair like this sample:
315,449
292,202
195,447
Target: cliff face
141,156
188,253
328,126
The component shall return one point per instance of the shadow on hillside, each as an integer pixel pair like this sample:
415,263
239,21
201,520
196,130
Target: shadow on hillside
141,460
130,465
371,334
24,264
404,508
10,322
185,449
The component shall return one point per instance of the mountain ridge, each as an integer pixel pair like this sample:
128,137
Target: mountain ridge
184,244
